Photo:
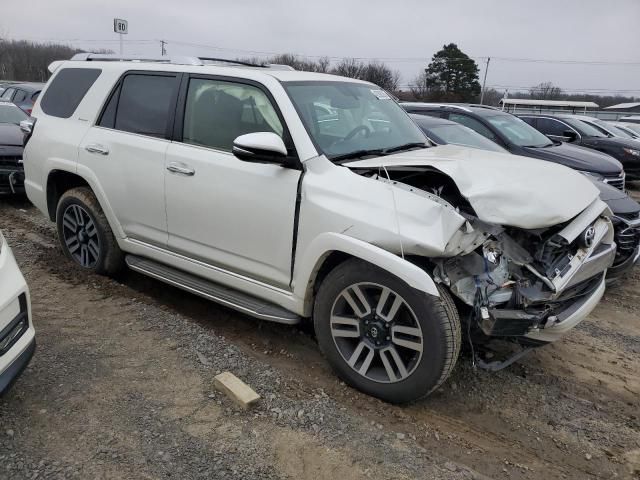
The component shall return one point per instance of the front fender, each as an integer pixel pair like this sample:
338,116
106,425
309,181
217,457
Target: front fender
324,244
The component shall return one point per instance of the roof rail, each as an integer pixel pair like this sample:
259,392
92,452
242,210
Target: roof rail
437,105
478,105
169,59
103,57
235,62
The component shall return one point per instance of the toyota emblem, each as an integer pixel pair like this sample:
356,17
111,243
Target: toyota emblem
588,237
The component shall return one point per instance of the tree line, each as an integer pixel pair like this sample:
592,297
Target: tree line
450,76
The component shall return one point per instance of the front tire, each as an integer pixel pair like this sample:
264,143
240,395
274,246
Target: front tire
384,337
84,233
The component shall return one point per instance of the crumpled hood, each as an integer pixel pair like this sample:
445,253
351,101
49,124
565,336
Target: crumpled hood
503,189
580,158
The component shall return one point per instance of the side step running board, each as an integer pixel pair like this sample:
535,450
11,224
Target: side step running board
228,297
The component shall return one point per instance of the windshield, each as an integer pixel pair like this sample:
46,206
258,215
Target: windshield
618,132
518,131
584,128
9,113
345,118
635,127
461,135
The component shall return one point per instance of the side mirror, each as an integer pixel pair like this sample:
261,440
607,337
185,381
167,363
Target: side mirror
570,135
261,147
26,126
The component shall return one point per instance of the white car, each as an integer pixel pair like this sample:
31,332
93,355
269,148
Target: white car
17,335
227,181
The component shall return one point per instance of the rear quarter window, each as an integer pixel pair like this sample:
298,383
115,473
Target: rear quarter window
66,91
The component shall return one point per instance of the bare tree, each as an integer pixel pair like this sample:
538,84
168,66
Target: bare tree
28,62
419,88
545,91
374,72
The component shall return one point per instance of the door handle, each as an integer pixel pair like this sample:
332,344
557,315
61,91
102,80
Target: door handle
95,148
181,169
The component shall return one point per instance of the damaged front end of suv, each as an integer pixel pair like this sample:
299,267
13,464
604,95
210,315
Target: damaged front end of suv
531,286
526,270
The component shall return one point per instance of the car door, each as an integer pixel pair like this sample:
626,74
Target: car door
125,152
225,212
555,129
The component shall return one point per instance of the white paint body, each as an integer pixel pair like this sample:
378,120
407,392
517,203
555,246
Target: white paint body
232,222
12,286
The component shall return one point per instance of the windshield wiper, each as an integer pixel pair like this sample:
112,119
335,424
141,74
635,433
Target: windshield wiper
539,146
357,154
406,146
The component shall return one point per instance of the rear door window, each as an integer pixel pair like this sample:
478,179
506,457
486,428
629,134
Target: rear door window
141,104
20,96
66,91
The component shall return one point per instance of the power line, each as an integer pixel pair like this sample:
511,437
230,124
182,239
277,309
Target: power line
336,57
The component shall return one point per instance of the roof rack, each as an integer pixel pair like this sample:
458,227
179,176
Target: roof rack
478,105
437,105
169,59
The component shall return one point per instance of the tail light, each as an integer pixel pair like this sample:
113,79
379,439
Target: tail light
27,127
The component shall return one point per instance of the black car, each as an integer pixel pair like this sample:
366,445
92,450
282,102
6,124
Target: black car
519,138
442,132
11,137
626,211
24,95
568,128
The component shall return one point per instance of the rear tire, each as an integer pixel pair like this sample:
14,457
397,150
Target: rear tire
84,233
384,337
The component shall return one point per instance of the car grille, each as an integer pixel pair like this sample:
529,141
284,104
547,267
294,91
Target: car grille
627,238
617,181
10,161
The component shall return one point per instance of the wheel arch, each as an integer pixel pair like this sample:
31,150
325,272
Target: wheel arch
59,182
329,250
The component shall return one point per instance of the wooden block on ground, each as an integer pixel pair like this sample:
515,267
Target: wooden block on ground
236,389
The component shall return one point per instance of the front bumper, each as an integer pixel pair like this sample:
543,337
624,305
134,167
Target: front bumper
17,338
542,314
11,180
568,318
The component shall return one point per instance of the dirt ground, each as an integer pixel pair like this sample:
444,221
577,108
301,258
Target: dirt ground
121,387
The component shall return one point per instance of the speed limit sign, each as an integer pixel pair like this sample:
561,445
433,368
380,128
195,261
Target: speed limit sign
120,26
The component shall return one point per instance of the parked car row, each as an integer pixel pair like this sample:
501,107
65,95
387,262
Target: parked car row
520,138
23,95
295,196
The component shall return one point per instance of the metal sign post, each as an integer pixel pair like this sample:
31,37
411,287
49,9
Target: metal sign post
121,27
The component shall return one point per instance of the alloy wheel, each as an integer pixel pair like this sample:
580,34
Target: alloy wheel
376,332
81,236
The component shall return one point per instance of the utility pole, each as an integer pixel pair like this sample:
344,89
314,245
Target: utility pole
164,50
484,81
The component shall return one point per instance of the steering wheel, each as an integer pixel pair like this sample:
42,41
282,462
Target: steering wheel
356,130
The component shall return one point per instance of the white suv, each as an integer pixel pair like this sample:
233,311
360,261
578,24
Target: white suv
17,336
292,195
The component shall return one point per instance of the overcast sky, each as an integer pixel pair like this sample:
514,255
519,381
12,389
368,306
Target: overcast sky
577,30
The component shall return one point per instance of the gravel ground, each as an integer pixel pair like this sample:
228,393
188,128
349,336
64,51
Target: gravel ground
121,387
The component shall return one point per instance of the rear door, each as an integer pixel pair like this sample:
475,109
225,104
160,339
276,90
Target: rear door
126,149
223,211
